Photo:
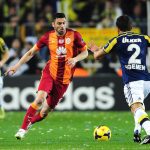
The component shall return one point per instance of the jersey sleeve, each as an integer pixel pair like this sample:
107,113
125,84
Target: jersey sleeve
148,40
3,46
81,45
110,45
43,41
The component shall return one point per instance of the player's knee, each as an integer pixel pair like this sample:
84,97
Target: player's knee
135,106
39,100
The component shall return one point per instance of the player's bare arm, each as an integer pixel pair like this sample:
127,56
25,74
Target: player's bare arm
72,61
25,58
97,51
5,57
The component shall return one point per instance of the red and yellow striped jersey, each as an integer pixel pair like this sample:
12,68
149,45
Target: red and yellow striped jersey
61,48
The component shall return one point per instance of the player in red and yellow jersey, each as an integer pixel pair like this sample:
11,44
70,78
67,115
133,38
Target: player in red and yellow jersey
66,48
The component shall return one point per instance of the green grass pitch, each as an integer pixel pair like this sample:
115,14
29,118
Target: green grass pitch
70,131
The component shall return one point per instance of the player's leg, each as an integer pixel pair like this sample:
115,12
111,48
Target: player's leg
42,114
146,139
137,128
41,96
133,92
136,94
44,88
143,119
57,94
52,100
2,111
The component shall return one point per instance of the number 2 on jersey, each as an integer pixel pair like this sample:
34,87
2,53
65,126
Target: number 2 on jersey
133,59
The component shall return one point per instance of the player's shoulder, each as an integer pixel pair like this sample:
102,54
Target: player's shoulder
47,33
72,30
130,34
141,36
127,36
51,30
113,40
146,37
138,35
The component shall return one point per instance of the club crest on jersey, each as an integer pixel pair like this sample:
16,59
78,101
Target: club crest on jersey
61,51
68,40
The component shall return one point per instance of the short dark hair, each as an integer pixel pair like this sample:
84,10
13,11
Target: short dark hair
124,23
59,15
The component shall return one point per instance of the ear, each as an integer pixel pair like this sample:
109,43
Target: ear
67,24
53,24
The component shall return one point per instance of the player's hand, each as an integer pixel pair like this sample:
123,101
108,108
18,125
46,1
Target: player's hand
12,70
92,47
71,62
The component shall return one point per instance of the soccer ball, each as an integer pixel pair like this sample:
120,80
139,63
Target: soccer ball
102,133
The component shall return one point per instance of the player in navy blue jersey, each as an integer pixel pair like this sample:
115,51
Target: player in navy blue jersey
131,49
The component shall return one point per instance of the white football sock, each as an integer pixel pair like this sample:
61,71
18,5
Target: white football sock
138,115
146,126
137,125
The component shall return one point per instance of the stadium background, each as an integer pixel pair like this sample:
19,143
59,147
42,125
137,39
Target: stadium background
97,85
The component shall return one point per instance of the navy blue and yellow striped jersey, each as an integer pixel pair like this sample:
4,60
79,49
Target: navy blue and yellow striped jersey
131,49
3,49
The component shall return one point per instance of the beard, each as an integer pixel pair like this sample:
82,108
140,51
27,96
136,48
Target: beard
61,32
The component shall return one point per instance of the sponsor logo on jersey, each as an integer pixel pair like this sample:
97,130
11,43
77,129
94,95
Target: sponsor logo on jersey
61,51
126,40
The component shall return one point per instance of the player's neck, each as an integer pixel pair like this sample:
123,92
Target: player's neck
121,32
61,35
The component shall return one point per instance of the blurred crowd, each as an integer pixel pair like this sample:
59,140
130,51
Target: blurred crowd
23,22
